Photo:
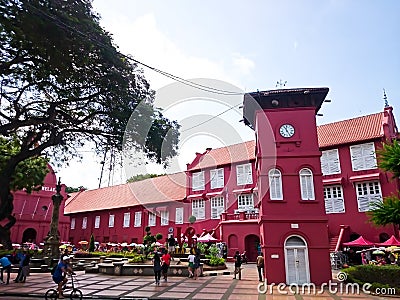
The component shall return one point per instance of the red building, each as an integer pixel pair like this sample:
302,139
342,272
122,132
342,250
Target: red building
299,190
34,211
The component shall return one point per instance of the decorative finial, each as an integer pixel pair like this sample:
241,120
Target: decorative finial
385,98
280,83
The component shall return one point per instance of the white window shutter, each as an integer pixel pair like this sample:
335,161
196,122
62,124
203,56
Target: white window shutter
179,215
220,177
291,266
240,175
306,185
363,203
275,184
369,156
333,161
213,179
356,157
138,219
324,163
73,220
338,205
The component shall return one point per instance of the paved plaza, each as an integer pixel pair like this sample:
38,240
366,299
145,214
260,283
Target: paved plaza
209,287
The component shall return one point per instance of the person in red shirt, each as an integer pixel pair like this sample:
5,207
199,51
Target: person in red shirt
166,260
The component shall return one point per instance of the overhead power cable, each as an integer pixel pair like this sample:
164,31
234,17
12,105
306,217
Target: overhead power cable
164,73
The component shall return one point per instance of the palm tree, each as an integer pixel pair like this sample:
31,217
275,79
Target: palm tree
389,158
386,212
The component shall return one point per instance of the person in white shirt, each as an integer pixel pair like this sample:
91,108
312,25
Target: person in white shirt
191,259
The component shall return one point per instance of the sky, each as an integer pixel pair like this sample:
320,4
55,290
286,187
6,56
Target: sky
352,47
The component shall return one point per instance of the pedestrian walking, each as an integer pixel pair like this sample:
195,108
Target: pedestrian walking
166,260
157,267
260,266
5,266
20,258
171,246
196,265
25,267
191,259
238,264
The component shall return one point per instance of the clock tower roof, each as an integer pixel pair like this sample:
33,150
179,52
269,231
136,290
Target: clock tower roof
280,99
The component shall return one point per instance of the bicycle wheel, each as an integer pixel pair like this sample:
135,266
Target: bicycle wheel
51,294
76,294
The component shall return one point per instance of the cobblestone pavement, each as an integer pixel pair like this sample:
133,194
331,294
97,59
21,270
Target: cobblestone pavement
99,286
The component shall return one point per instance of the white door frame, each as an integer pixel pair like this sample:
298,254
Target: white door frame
305,247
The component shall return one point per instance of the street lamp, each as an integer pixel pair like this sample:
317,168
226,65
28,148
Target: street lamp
52,240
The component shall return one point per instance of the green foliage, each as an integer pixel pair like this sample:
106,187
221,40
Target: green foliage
216,261
147,229
386,212
29,174
213,250
389,158
91,243
377,276
64,84
202,247
159,236
192,219
70,189
138,258
142,177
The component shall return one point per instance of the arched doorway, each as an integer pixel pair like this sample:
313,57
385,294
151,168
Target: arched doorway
250,245
296,260
232,244
29,236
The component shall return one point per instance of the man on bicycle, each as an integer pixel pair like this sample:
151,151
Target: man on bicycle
59,275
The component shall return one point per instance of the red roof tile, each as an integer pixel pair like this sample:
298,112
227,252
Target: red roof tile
226,155
351,131
147,192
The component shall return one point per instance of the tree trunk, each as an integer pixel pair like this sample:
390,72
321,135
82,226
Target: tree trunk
5,233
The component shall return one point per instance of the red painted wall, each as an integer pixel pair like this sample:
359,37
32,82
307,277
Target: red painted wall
33,212
358,221
279,218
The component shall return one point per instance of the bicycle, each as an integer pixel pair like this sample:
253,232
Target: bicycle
76,293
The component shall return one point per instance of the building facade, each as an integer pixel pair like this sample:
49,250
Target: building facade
34,212
298,190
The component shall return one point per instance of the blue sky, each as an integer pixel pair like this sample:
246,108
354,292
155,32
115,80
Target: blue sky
352,47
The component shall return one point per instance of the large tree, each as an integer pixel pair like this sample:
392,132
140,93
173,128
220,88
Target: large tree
63,83
388,211
28,175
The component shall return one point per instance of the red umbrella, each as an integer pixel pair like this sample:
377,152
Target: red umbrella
207,238
360,242
392,241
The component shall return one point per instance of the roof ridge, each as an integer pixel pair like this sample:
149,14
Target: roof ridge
346,120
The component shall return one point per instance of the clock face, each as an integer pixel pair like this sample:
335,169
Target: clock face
286,130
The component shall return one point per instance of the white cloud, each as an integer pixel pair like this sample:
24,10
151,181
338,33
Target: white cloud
243,64
146,42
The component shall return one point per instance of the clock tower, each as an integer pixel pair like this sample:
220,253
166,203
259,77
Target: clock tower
293,224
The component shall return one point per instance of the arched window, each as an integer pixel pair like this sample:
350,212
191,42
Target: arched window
275,184
307,184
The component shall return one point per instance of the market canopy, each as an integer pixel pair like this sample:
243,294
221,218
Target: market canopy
207,238
360,242
392,241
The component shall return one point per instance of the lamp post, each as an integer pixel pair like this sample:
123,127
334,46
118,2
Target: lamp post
52,240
